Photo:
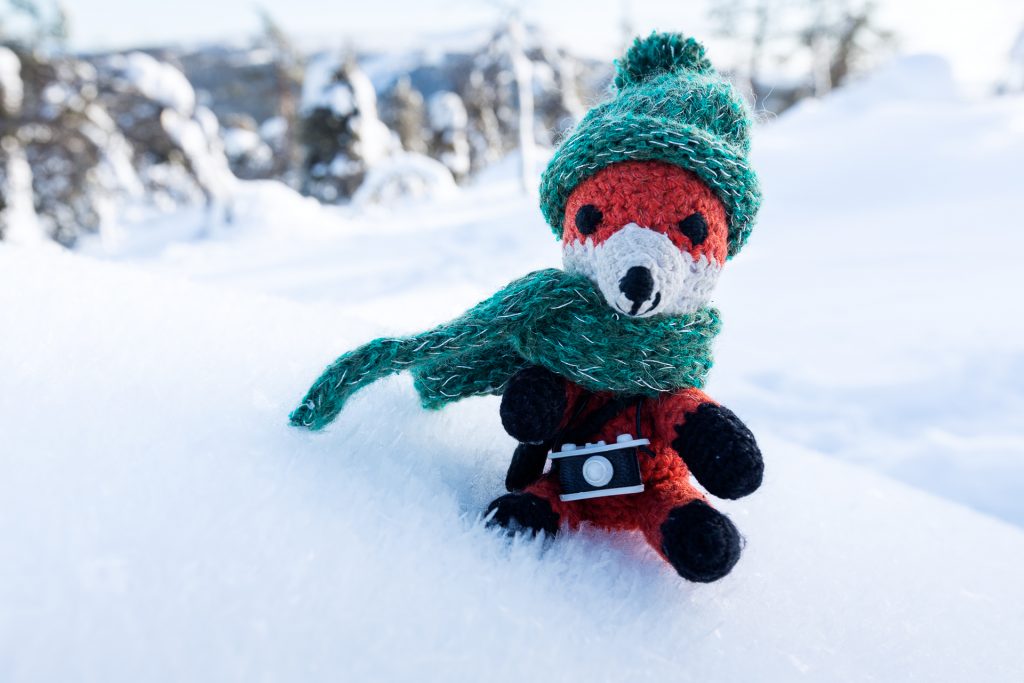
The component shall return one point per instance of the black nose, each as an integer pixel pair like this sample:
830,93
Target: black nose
637,285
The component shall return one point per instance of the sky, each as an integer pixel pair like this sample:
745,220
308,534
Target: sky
975,36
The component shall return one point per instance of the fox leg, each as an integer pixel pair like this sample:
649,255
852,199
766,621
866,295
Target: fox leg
535,510
700,543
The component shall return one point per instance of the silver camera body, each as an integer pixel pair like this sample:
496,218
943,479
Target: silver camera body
599,469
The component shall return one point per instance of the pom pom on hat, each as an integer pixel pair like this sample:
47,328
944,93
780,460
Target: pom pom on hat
657,54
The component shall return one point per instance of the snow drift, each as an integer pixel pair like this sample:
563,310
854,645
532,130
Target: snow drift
161,522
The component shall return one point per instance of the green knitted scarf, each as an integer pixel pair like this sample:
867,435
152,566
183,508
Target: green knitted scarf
549,318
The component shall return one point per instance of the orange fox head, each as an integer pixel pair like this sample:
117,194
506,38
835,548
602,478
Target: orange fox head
651,235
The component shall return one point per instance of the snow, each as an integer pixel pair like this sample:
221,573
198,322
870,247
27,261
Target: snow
338,98
239,141
353,97
319,73
916,78
404,177
274,129
115,150
157,80
884,270
446,114
18,213
204,152
160,521
445,110
1013,81
11,86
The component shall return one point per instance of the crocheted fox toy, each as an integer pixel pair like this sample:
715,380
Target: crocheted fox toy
600,365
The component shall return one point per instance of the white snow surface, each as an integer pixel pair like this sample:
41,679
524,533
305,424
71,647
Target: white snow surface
160,521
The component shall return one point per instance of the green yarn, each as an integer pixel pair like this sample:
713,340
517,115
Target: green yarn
671,105
667,52
550,318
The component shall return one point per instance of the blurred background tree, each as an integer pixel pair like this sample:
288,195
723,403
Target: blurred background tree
790,49
88,136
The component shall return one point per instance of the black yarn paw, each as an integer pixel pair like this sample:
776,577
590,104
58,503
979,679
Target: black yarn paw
533,404
720,452
701,543
526,467
522,513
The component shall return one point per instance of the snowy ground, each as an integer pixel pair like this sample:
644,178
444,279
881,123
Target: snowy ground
159,520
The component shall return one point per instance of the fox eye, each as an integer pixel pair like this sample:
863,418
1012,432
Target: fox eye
695,227
588,218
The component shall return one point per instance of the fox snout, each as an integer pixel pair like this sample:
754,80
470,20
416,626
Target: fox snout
641,272
637,285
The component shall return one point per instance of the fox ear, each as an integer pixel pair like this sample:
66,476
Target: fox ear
695,227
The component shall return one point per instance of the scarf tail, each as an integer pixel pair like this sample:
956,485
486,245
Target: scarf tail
351,372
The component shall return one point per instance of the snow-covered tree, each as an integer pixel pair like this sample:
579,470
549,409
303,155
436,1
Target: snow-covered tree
402,177
1014,80
522,71
342,135
12,89
448,127
520,91
487,142
249,155
279,133
176,144
19,223
403,111
34,24
62,143
18,220
822,42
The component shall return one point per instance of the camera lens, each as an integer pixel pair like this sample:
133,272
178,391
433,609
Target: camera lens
598,470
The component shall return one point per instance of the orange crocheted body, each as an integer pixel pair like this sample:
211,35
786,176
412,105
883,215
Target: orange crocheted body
665,476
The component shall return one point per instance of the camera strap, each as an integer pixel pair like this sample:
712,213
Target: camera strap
597,419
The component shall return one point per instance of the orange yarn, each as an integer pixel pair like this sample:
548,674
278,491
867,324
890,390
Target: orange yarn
654,195
666,477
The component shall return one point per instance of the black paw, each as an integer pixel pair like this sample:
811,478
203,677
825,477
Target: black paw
700,542
526,467
533,404
523,512
720,452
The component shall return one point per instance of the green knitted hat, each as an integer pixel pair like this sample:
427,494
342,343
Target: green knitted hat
670,105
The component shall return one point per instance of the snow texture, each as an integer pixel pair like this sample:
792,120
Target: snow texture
160,521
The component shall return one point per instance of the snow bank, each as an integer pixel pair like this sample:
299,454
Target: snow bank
869,317
160,521
920,78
